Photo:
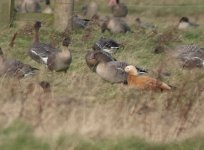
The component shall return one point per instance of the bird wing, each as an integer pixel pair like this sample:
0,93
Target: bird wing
19,69
143,82
40,52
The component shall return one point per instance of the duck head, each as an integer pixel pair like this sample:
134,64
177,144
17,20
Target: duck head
131,70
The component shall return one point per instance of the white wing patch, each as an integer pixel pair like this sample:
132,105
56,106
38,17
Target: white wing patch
33,51
44,59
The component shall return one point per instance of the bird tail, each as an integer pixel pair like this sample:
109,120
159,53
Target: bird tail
173,87
165,86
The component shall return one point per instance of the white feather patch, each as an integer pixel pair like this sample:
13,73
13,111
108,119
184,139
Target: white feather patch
44,59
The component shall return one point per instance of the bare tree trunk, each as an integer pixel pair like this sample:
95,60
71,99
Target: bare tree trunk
63,14
6,12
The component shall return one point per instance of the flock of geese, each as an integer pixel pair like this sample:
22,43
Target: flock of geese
100,59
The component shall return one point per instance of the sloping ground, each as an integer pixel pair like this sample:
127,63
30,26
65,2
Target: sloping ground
83,111
20,136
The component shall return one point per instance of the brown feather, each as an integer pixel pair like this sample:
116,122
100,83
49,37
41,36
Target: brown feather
147,83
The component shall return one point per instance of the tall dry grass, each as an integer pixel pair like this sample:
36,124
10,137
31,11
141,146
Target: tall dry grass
158,117
82,103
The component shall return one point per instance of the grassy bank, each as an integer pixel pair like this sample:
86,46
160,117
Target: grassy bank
20,136
85,112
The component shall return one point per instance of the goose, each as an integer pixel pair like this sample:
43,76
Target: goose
60,61
143,82
47,9
115,25
111,70
108,45
118,9
191,56
185,23
14,68
39,51
91,60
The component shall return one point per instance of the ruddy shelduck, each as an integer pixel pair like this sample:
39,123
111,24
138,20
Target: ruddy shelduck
143,82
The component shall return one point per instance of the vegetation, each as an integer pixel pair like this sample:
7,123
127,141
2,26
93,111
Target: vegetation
84,112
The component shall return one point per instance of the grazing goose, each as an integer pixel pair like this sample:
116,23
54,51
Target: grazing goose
107,45
112,71
14,68
47,9
39,51
145,25
60,61
115,25
90,10
79,23
30,6
118,9
191,56
144,82
184,23
91,60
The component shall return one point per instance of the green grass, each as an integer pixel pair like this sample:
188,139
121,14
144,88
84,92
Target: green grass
85,112
20,136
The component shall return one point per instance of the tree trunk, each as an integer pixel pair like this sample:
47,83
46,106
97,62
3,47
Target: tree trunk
6,12
63,14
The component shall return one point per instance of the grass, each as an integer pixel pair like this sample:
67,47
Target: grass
20,136
85,112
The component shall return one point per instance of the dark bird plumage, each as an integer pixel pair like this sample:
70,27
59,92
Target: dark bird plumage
185,23
107,45
14,68
39,51
109,69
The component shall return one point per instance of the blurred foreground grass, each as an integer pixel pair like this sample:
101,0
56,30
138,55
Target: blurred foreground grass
20,136
84,112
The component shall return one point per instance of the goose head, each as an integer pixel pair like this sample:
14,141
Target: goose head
184,19
93,58
66,42
37,25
